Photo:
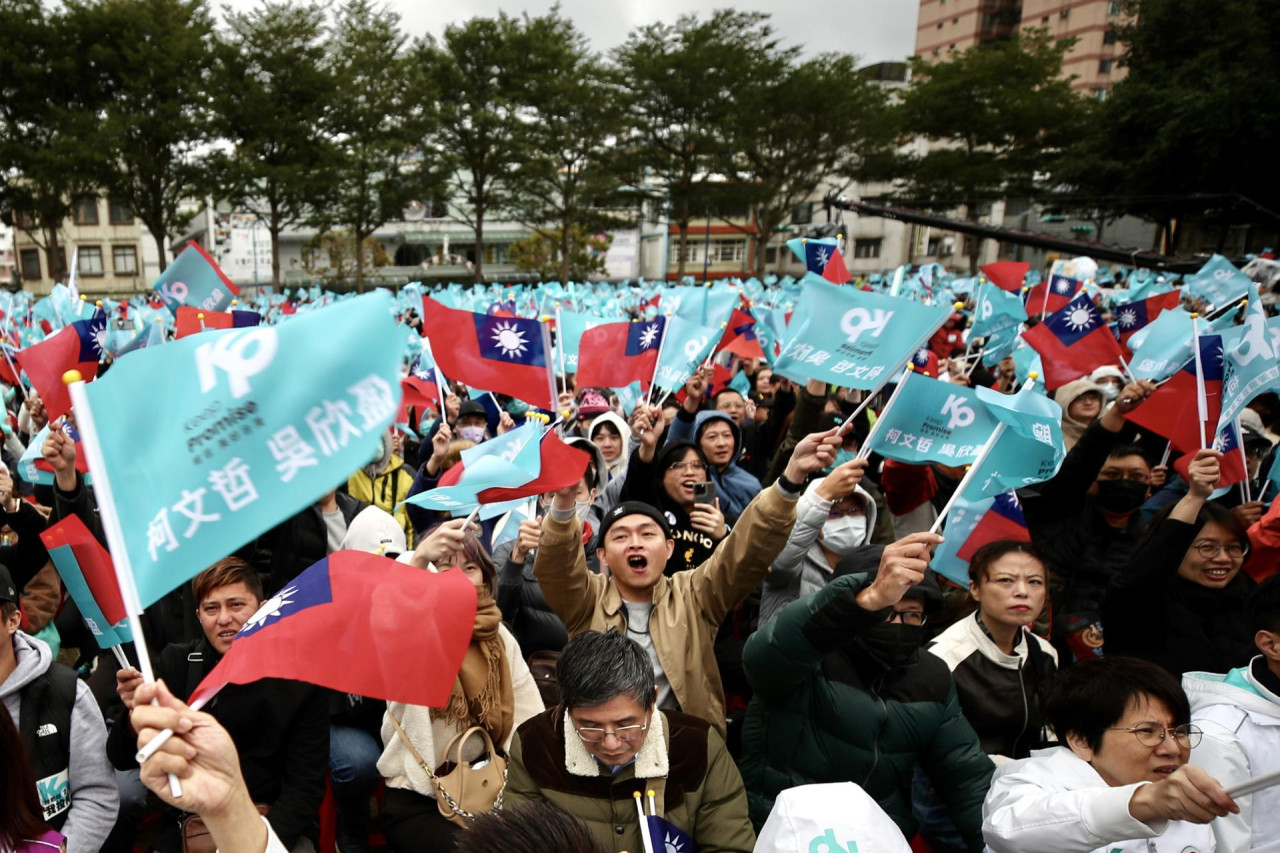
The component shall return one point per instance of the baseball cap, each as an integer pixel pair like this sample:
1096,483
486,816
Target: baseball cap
626,508
8,592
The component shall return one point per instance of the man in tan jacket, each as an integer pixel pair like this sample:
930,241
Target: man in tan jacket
674,619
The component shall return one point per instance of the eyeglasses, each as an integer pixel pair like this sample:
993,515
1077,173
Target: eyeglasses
626,734
1132,476
1209,550
908,617
1188,737
686,466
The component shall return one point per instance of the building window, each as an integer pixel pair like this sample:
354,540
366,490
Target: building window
937,51
1115,7
691,254
89,260
935,243
952,47
124,260
868,248
30,259
1104,66
1100,94
771,254
1045,19
1064,14
939,24
729,252
119,213
802,213
1110,37
955,21
86,212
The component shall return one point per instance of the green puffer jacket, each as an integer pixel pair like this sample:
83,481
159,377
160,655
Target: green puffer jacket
826,710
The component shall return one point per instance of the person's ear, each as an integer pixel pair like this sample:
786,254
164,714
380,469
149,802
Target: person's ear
671,548
1080,746
975,592
1268,642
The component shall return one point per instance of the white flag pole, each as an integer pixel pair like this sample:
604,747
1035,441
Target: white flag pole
865,450
977,463
657,365
564,374
110,520
1245,490
551,367
1202,401
1254,785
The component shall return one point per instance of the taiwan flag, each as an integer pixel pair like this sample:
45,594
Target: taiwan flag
1172,410
90,577
666,837
192,321
416,393
505,355
342,624
1004,520
740,335
1231,467
79,346
560,466
613,355
1073,342
925,362
1052,295
1138,315
1007,275
821,257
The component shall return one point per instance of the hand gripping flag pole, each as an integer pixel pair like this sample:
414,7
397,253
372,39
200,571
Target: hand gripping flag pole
977,463
115,534
657,365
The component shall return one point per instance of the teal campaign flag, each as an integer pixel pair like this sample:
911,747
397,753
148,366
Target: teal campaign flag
1025,361
962,519
932,421
853,338
999,345
1149,285
685,346
107,635
210,440
1252,366
1218,282
569,333
504,462
996,310
1162,347
1029,449
195,279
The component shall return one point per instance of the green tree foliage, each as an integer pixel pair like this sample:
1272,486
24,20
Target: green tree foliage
155,59
474,74
683,83
998,114
1192,129
331,255
375,125
272,94
573,256
47,106
567,104
798,126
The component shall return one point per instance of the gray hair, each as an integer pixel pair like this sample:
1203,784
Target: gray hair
596,667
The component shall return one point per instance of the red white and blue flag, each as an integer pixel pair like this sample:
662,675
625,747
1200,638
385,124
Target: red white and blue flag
192,321
1052,295
90,578
1073,342
925,362
1003,520
1138,315
1007,275
78,346
613,355
1172,409
740,335
343,624
505,355
821,257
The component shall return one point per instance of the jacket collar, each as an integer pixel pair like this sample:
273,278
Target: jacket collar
612,602
650,763
988,646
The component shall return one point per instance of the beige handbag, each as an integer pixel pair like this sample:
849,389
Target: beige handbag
463,791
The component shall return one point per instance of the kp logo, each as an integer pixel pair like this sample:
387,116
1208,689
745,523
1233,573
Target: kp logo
859,320
960,414
240,354
693,348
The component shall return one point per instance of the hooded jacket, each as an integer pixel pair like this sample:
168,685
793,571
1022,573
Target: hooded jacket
826,710
644,483
89,777
1055,802
802,568
735,486
1001,695
683,761
1240,718
617,467
385,484
1064,397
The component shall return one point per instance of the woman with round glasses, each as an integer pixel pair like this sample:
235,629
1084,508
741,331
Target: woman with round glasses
1180,601
1120,782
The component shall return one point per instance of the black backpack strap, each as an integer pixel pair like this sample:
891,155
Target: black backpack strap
45,726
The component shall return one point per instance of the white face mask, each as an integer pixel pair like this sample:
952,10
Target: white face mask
471,433
841,535
1110,392
582,508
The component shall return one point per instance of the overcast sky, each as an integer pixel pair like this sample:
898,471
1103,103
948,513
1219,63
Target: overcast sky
873,30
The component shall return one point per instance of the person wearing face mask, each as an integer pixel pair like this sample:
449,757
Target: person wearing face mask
1081,402
1180,602
834,517
473,422
1085,521
844,692
1110,379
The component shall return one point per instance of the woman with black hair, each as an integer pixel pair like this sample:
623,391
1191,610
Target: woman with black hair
1120,782
1180,601
22,828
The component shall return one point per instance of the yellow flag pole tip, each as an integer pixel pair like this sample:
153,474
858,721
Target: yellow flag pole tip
200,316
84,298
1033,374
98,303
650,792
959,306
71,376
635,794
235,302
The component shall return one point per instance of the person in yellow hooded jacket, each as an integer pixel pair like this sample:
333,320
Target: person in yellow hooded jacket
385,482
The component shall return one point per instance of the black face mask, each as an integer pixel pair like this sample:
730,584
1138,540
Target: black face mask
893,644
1120,495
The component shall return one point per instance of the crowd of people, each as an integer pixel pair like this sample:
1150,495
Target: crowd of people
725,634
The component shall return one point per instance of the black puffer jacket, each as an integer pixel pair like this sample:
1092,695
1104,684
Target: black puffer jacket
1153,613
296,544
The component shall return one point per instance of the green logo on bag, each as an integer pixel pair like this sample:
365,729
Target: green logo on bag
826,843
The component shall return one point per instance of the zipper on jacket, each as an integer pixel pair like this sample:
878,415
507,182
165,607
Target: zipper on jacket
1026,710
875,755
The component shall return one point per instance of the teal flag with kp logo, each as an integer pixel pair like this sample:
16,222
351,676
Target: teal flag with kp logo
213,439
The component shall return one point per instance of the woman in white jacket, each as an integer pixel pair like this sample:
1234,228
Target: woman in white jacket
494,690
833,517
1120,783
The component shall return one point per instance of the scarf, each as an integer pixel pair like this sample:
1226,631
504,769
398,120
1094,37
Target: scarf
483,695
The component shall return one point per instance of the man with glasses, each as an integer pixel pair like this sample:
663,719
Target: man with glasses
1120,781
608,741
844,692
